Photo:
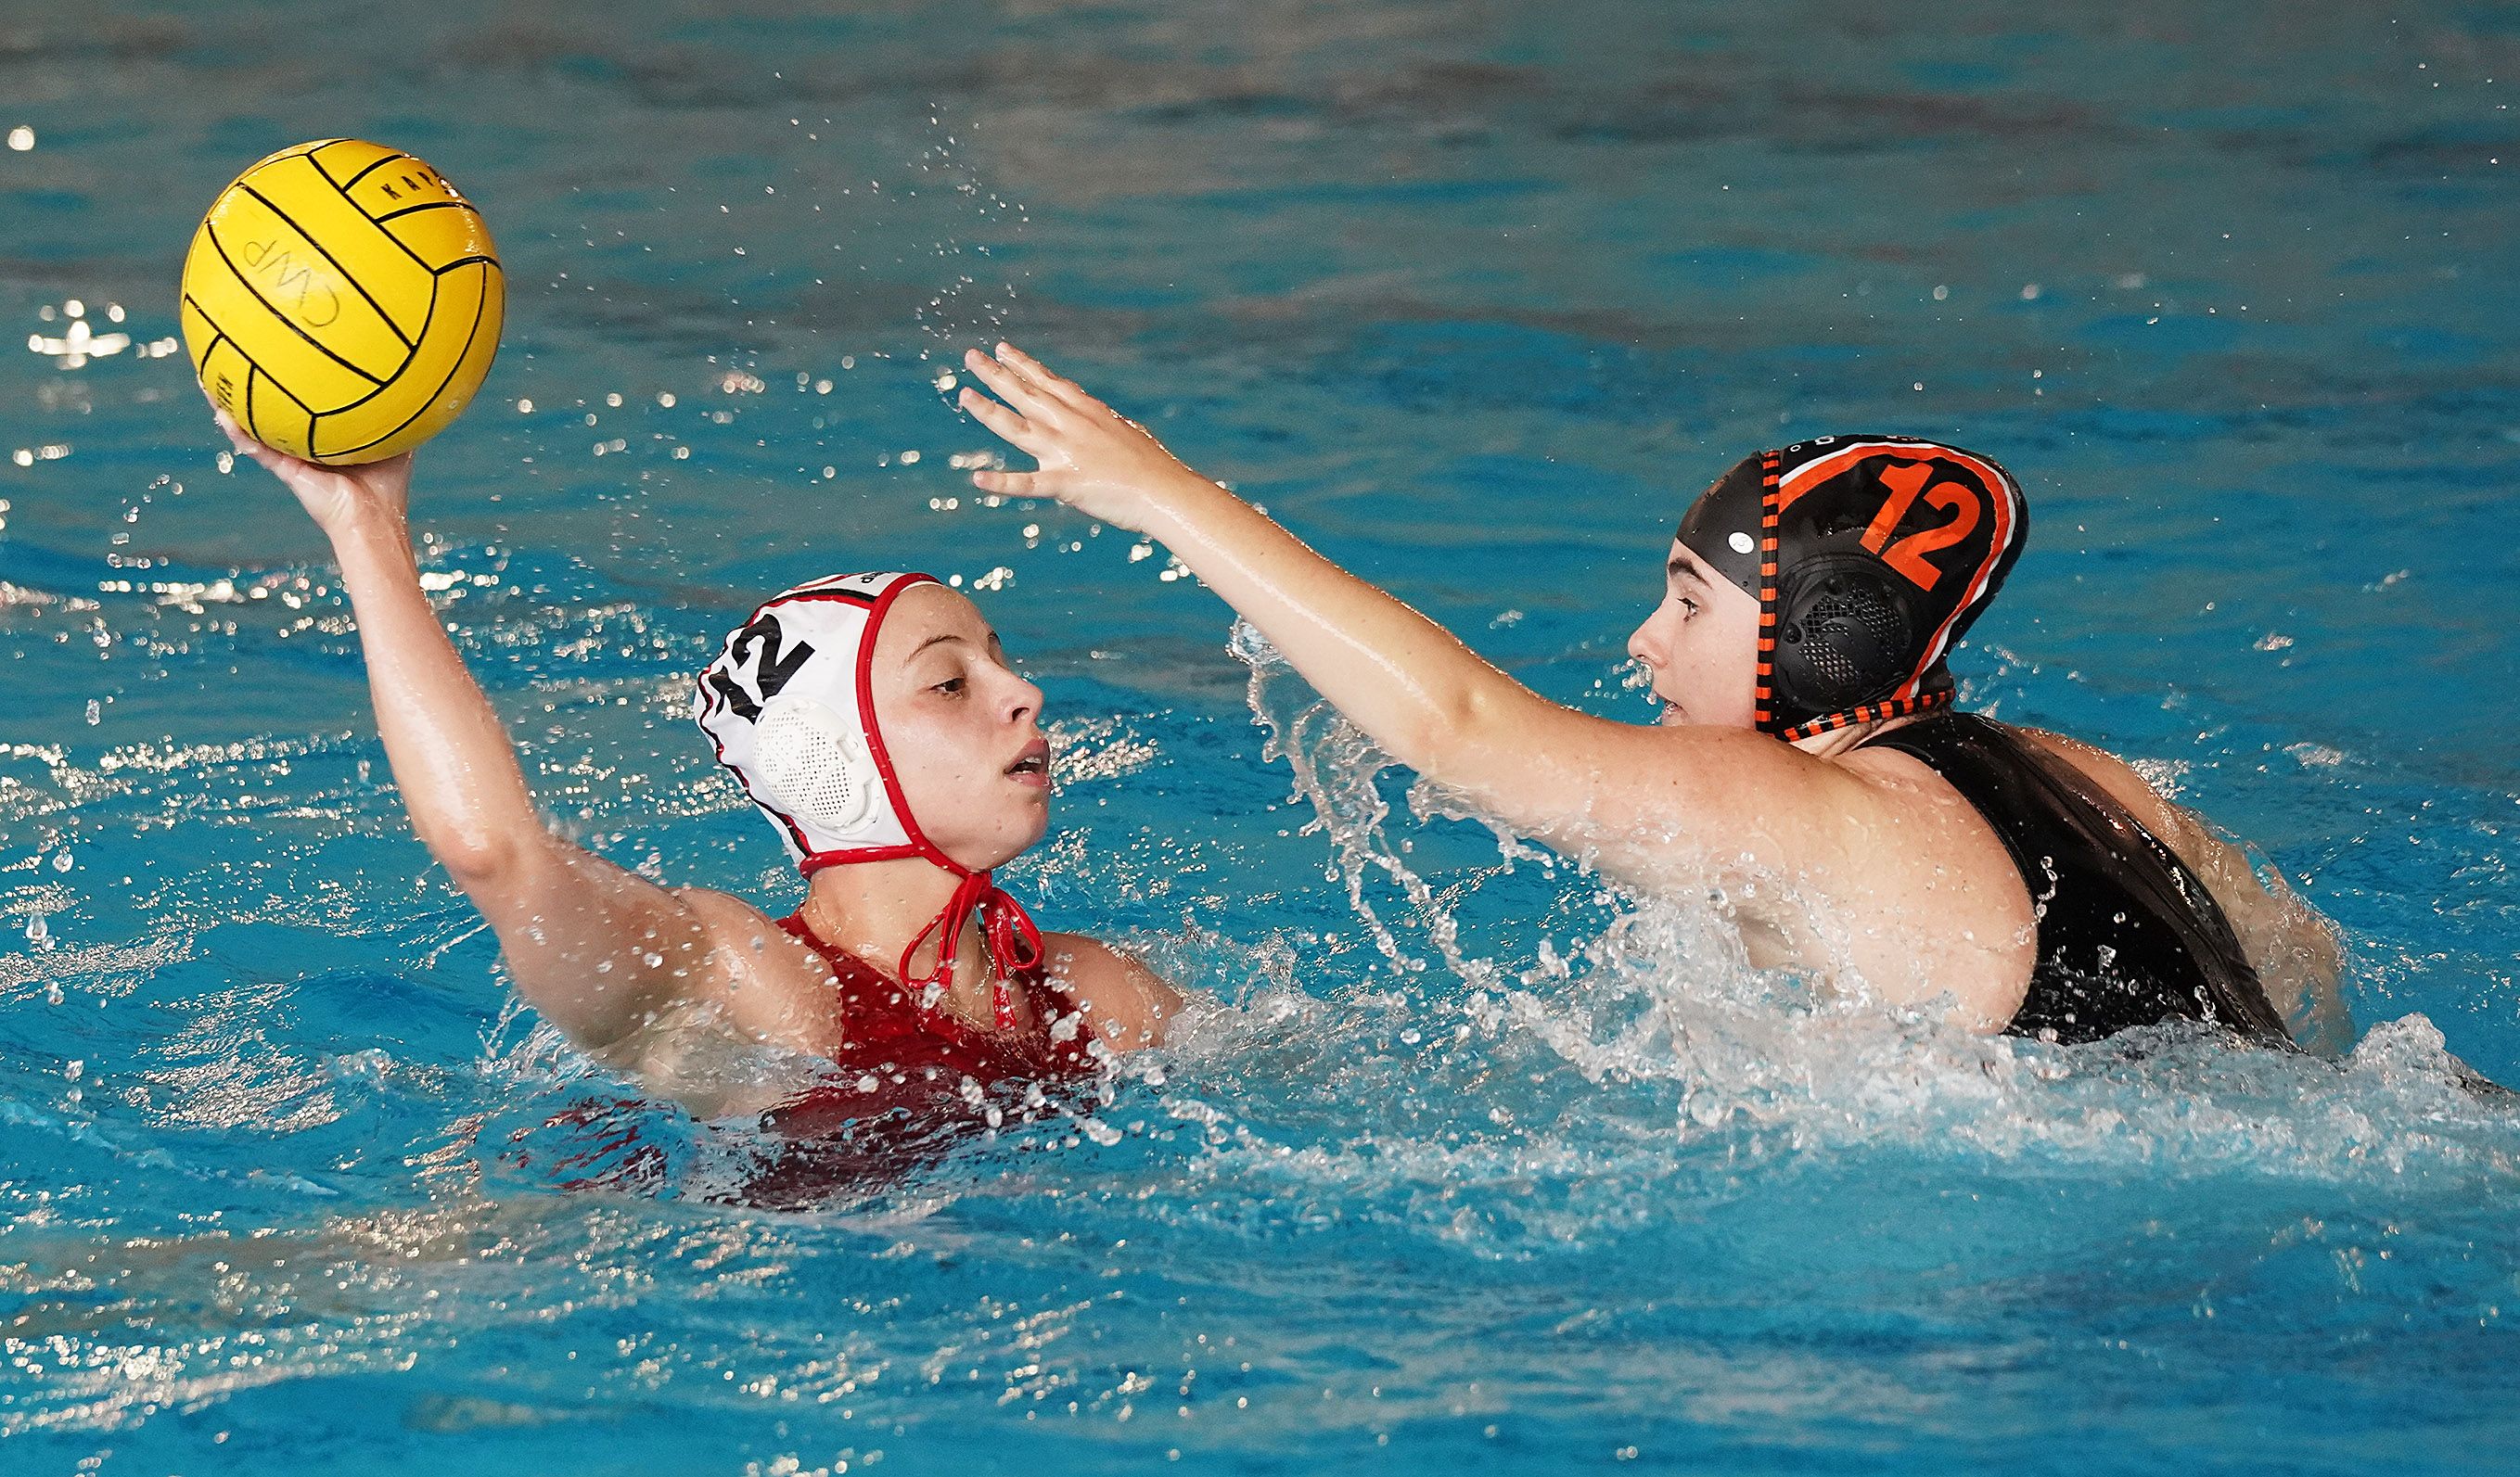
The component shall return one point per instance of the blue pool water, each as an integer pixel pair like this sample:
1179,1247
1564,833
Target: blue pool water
1466,1164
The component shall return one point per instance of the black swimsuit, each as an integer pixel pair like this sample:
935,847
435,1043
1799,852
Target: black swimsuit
2127,935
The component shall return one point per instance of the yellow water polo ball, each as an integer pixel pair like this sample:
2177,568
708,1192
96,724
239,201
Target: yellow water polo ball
342,301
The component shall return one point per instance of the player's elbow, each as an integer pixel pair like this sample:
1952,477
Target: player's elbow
1451,736
480,861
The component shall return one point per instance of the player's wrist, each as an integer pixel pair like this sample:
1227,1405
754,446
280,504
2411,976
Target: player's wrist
1179,496
361,528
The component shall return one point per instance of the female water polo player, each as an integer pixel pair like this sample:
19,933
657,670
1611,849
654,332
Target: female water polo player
874,720
1808,762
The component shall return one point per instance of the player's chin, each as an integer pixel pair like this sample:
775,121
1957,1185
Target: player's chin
1028,817
1008,835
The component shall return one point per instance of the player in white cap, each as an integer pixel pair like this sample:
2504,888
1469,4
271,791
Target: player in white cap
874,719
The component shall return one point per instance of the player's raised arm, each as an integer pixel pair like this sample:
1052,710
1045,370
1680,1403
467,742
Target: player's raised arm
594,948
1566,777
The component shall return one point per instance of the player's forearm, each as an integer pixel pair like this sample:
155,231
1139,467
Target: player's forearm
1427,699
594,949
451,756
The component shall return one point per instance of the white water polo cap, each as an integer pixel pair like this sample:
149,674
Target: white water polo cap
790,707
790,710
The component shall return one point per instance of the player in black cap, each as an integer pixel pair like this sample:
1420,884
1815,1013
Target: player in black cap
2019,879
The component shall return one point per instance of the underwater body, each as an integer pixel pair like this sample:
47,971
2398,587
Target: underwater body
1463,1161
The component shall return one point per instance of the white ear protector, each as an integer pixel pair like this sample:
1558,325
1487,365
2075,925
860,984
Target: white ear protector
784,707
817,763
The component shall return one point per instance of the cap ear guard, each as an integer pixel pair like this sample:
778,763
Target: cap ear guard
786,710
1842,626
1874,554
817,764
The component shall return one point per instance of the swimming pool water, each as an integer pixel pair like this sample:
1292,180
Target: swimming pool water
1467,1165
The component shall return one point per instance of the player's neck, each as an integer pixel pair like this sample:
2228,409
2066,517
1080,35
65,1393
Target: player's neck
1839,743
874,908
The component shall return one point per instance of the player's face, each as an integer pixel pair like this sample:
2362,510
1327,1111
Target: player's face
1701,645
962,730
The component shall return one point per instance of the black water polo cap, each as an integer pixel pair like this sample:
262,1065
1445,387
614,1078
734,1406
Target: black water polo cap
1869,558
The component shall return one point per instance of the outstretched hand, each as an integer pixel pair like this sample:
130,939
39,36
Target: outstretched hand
1092,458
338,498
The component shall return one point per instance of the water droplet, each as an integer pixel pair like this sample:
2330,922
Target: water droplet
63,860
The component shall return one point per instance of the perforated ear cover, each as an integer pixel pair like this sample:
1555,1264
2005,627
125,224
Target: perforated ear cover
782,710
1869,556
1845,633
817,764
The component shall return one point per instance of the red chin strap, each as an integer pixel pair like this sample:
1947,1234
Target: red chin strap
1014,944
1013,939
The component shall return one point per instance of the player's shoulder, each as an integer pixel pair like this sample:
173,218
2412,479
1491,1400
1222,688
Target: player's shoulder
740,930
2121,780
774,985
1081,961
1130,1001
725,910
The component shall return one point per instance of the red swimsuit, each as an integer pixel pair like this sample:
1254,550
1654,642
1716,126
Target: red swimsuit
899,1058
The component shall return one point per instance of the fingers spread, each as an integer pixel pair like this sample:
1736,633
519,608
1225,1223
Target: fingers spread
1053,384
1015,485
997,418
1011,384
